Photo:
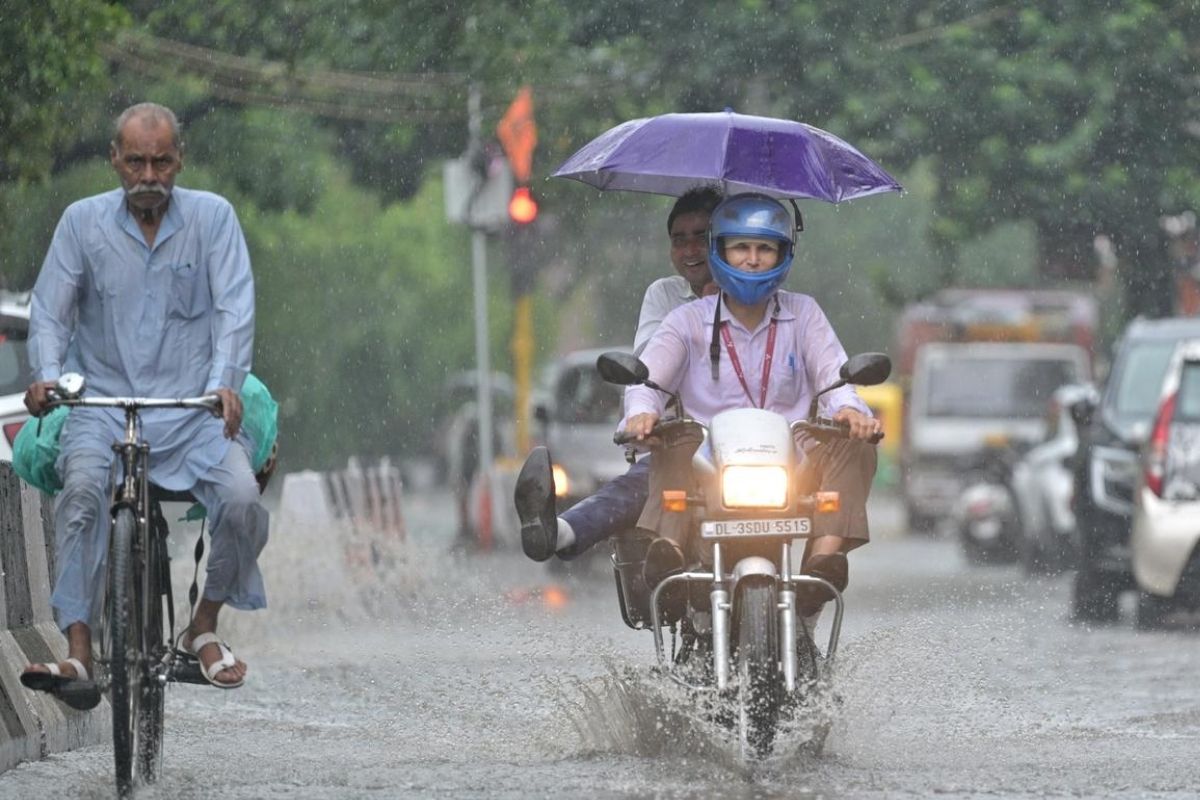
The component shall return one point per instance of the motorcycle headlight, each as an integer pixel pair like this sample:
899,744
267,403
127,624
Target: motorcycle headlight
562,482
754,487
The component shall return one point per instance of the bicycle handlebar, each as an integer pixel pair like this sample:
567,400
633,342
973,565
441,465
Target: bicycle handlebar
211,402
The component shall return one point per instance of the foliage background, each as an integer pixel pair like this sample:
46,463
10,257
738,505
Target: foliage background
1021,131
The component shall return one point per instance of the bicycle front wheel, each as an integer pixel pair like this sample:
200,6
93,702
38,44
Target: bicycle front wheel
154,573
123,658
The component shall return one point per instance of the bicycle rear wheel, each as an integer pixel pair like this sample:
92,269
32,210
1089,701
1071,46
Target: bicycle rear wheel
122,619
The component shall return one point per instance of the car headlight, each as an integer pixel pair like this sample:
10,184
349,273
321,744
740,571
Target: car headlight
754,486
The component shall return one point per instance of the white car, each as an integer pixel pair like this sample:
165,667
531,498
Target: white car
15,372
1166,519
578,414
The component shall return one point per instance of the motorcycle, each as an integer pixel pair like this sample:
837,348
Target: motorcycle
986,513
741,640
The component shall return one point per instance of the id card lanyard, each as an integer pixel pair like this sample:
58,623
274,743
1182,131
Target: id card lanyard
723,326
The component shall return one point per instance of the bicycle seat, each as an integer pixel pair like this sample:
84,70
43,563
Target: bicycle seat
161,495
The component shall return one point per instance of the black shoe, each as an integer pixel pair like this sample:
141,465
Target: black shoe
664,559
534,498
834,568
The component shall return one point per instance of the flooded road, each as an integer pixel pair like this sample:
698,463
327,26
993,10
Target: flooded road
485,677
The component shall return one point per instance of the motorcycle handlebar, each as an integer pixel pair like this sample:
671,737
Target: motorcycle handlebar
821,429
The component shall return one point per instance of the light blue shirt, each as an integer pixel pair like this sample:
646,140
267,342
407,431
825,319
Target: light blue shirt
175,320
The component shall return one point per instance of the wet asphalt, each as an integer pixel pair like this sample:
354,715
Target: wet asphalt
389,668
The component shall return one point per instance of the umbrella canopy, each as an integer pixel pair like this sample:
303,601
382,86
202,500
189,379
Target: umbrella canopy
672,153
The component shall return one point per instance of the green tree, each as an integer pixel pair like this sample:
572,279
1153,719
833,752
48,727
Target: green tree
51,52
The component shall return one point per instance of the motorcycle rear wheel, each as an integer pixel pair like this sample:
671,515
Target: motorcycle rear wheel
756,664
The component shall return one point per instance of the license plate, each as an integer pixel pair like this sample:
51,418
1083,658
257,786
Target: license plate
744,528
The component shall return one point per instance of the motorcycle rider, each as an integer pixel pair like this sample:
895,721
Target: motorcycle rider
617,505
757,345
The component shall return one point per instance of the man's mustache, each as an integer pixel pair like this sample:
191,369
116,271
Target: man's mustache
148,188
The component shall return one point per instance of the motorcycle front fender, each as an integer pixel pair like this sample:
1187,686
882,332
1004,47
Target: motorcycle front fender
753,565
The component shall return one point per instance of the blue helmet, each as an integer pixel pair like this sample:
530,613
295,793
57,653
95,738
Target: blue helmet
751,215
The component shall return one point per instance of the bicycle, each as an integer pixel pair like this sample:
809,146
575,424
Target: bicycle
138,654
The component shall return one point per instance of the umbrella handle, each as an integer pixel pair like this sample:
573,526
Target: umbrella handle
799,216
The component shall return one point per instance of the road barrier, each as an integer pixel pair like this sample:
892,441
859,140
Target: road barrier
367,499
32,724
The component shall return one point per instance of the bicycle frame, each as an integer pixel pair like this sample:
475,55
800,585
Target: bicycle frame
137,655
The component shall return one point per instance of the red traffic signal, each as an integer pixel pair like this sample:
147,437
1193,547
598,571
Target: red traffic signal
522,208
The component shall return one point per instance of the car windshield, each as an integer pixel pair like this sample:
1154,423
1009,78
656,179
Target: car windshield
975,386
15,373
1140,379
581,396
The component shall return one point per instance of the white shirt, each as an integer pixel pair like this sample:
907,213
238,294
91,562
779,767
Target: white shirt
661,298
807,358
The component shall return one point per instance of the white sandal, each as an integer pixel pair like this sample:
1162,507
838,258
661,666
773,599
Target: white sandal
214,669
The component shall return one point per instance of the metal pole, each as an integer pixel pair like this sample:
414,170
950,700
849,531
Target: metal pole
482,356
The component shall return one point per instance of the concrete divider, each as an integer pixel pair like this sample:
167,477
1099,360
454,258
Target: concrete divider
32,724
365,504
367,498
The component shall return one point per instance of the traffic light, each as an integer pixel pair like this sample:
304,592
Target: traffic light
522,208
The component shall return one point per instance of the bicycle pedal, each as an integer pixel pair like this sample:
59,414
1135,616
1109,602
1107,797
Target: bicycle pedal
186,669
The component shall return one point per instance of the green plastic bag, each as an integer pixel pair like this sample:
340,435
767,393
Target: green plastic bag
260,419
35,454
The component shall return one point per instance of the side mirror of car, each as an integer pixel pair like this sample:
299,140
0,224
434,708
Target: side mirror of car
622,369
866,369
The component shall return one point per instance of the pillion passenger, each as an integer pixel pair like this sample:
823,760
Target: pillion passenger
617,505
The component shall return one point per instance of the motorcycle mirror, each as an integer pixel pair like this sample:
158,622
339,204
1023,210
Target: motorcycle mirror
622,369
866,369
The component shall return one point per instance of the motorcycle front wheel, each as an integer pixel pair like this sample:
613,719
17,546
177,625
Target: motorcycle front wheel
756,664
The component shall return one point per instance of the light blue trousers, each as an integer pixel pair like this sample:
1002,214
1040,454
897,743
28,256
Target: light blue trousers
237,522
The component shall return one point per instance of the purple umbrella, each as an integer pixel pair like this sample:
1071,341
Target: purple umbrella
672,153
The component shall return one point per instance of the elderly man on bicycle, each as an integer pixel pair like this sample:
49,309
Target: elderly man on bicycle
147,291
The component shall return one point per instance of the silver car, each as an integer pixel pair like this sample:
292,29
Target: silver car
1166,518
15,372
579,413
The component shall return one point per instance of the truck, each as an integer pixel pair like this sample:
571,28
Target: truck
979,366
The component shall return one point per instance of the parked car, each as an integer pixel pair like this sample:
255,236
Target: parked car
1107,467
1166,519
1044,486
578,413
15,372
